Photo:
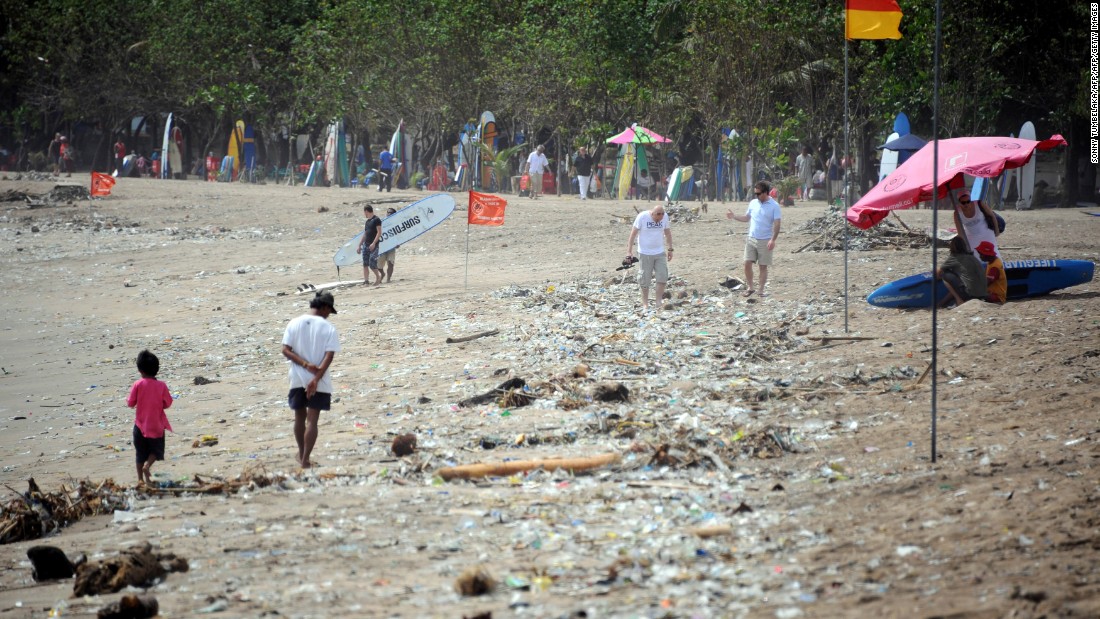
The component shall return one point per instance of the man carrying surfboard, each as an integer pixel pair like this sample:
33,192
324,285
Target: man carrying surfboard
763,216
310,343
368,246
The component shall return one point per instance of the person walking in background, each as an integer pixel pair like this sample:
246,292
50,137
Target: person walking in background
149,398
763,216
653,233
368,246
120,155
66,156
310,343
582,163
53,154
804,165
385,169
534,168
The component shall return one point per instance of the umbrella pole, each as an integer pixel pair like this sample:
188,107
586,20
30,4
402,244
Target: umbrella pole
935,207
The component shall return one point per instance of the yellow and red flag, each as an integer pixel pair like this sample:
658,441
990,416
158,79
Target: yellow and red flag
872,19
486,209
102,183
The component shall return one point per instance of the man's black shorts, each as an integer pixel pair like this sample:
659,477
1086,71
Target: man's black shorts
320,401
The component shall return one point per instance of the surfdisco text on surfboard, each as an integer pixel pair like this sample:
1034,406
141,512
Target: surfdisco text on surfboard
401,227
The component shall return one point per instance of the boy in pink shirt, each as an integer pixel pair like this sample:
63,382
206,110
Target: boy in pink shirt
149,398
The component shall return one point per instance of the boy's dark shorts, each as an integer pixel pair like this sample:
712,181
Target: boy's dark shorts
146,447
320,401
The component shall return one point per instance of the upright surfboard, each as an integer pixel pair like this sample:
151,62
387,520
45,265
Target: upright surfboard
401,227
1025,178
889,161
175,152
343,161
626,170
400,154
487,134
1006,180
1026,278
248,151
236,138
676,181
901,127
164,172
329,157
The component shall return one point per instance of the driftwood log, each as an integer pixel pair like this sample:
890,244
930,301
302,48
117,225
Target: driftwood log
468,338
500,469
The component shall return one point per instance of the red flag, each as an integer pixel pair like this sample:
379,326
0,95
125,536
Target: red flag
102,183
872,19
486,209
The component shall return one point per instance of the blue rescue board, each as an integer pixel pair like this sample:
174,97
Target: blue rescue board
1026,278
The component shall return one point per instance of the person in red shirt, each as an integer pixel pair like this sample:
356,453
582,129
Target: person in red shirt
149,398
120,154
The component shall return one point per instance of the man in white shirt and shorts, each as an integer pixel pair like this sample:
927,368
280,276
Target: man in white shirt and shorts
652,232
764,217
536,166
310,343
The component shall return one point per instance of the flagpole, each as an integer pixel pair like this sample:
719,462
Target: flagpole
847,182
935,205
466,281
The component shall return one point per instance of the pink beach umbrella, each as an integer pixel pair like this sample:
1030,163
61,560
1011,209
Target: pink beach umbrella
636,134
911,183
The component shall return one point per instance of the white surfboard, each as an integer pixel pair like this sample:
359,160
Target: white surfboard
315,288
889,161
401,227
1025,179
164,148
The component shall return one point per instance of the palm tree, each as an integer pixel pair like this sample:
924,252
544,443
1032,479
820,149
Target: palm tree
501,164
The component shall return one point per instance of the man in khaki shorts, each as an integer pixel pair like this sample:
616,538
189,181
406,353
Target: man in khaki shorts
763,216
651,231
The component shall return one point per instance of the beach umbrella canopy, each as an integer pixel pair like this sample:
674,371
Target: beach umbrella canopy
911,183
908,142
636,134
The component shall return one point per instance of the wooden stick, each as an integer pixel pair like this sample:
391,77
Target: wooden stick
468,338
500,469
923,374
839,338
898,217
818,238
713,531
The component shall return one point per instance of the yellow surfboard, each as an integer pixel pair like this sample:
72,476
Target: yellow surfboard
236,140
626,172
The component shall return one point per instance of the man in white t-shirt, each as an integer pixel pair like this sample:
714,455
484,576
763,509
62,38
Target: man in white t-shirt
652,232
310,343
763,216
536,166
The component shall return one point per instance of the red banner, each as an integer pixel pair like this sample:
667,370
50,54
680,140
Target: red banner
486,209
102,183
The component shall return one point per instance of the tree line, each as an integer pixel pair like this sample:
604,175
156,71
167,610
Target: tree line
575,72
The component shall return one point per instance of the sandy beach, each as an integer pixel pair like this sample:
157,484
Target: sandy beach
765,471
